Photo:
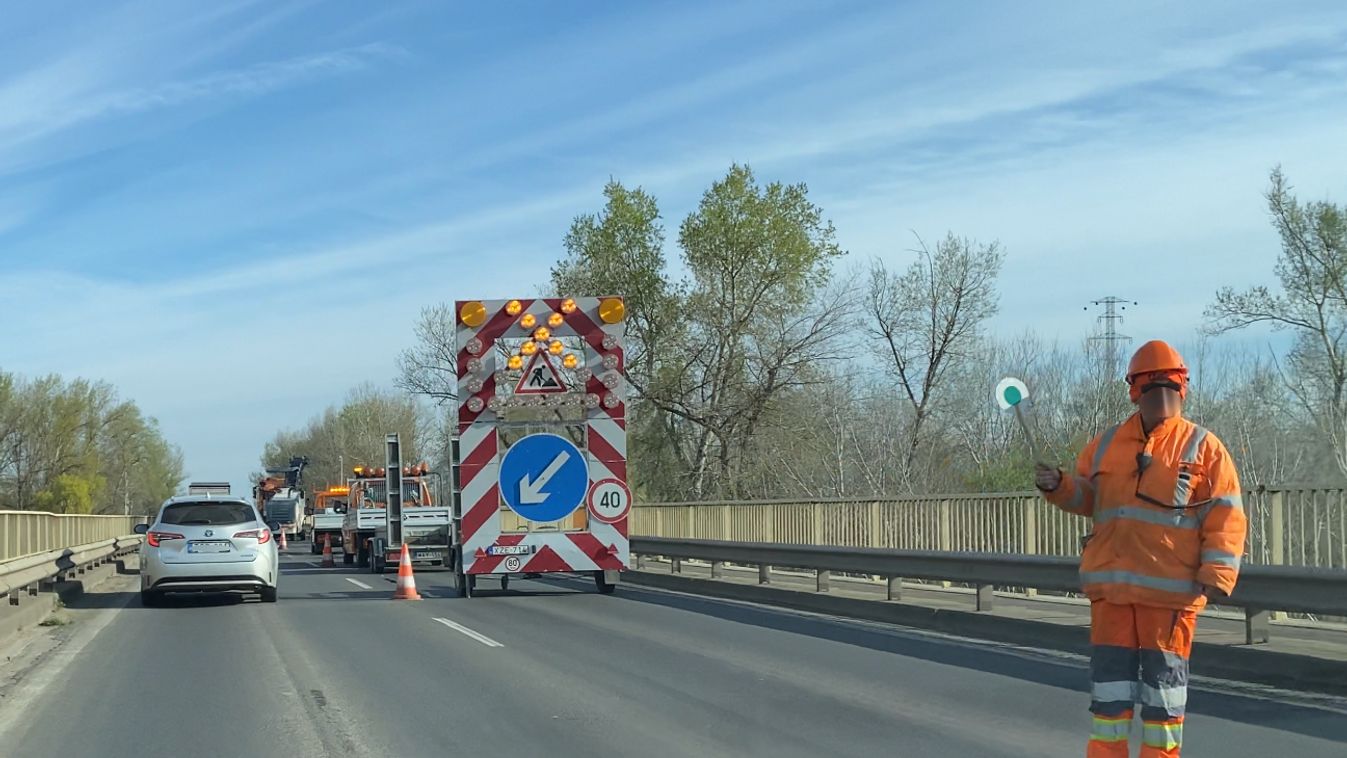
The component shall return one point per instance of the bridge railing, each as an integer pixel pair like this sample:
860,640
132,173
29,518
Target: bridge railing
25,533
1261,589
1287,526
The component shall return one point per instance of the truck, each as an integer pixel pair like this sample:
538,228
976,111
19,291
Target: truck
426,525
329,513
280,498
208,488
288,507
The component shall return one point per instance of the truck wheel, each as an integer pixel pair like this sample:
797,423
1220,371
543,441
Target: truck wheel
467,585
346,558
604,587
313,548
362,556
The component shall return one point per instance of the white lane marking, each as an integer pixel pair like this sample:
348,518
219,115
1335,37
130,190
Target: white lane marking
482,638
315,564
359,583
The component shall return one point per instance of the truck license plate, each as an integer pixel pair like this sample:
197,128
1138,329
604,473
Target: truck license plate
425,556
508,550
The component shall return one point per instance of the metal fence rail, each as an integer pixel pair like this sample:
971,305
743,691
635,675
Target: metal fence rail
24,533
1260,589
29,572
1287,526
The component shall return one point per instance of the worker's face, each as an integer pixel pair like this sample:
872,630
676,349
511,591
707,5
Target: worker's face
1160,403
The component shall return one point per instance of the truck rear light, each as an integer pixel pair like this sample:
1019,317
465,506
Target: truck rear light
263,536
154,538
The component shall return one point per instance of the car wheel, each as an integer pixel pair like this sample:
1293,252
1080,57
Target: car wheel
268,594
151,598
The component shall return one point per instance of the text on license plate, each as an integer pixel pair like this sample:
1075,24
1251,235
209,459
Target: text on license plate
209,547
425,556
508,550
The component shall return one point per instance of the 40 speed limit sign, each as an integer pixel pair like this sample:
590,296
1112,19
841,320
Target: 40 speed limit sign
609,500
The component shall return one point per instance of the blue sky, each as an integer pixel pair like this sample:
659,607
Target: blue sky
206,203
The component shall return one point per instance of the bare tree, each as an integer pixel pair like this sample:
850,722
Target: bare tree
429,368
929,319
1312,304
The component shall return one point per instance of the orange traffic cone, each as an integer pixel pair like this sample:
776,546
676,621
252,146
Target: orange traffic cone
406,582
327,552
283,545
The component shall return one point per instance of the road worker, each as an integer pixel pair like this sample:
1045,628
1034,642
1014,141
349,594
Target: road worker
1168,534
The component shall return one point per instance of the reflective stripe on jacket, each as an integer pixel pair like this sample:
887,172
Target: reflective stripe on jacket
1168,514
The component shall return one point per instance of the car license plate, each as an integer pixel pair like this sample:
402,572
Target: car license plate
209,547
508,550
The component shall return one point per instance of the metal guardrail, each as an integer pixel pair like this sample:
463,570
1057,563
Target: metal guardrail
1261,589
26,575
1287,526
24,533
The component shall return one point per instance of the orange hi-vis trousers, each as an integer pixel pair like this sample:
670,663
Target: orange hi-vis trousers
1138,654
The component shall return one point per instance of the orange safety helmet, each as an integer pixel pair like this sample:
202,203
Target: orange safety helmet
1157,357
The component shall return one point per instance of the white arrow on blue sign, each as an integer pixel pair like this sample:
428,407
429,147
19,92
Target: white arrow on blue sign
544,477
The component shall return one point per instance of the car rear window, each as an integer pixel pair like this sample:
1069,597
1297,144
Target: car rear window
206,514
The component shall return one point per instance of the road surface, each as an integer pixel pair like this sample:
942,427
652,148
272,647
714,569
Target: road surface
552,668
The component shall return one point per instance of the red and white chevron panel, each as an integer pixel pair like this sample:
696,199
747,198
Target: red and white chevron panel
601,545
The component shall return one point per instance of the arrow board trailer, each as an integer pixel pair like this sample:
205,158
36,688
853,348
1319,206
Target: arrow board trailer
541,460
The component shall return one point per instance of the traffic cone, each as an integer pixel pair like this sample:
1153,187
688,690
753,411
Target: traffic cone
327,551
283,545
406,581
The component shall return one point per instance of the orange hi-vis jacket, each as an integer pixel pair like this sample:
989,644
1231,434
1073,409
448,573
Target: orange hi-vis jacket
1168,514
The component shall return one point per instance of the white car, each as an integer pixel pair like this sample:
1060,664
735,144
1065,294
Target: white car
200,543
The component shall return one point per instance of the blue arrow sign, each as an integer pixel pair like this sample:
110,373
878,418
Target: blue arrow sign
544,477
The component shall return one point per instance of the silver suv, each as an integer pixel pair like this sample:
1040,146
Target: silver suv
208,544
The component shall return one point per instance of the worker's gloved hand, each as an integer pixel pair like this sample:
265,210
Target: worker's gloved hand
1212,593
1047,478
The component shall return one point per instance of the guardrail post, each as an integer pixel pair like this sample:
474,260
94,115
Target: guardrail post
984,597
675,565
717,569
14,597
764,574
895,588
640,560
821,580
1277,528
1257,626
946,531
1277,537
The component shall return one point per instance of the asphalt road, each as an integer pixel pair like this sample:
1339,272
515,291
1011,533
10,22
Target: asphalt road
554,669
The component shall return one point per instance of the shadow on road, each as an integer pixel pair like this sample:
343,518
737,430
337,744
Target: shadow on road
1271,714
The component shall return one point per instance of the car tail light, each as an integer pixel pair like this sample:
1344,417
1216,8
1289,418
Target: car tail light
154,538
263,536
